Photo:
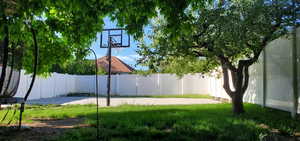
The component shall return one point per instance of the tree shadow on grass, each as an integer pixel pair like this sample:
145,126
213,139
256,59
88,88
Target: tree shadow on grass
169,124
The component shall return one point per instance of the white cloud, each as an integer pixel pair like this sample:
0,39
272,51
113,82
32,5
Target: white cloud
130,58
126,58
135,56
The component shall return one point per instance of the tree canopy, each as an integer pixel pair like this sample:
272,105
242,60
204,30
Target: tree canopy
66,28
63,28
230,34
237,31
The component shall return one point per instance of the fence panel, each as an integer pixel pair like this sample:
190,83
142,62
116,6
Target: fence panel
84,84
169,84
127,85
195,84
148,85
254,93
103,84
279,76
22,85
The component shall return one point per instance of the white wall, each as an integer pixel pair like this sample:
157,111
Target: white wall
53,86
126,84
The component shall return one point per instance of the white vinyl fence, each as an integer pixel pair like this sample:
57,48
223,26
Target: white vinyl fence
132,85
156,84
56,85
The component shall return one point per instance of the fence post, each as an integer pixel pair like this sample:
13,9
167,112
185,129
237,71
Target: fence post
136,85
264,77
295,70
182,85
41,85
158,83
54,81
118,84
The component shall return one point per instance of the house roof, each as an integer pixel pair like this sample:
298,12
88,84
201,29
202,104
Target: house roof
117,65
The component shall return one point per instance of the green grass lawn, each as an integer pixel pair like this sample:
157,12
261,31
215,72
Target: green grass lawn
168,123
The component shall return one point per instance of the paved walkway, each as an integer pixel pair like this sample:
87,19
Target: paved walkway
121,101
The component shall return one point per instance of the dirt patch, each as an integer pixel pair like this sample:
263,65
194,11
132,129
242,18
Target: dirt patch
55,123
276,135
39,130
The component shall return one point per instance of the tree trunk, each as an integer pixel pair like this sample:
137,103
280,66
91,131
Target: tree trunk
240,79
4,58
237,104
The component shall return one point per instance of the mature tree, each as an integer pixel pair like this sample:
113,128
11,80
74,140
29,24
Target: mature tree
64,29
231,34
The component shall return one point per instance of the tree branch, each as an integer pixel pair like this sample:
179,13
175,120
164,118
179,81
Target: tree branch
225,61
226,85
246,79
264,43
5,45
240,77
204,28
234,79
199,54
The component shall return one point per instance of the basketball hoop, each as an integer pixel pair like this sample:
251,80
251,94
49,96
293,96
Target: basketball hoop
113,38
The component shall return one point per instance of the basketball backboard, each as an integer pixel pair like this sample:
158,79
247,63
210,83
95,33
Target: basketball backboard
116,37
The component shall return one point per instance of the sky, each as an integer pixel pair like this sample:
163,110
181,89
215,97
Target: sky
128,55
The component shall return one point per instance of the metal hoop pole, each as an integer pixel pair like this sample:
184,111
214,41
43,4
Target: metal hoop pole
97,96
109,72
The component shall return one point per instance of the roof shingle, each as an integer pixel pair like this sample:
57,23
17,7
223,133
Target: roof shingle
117,65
